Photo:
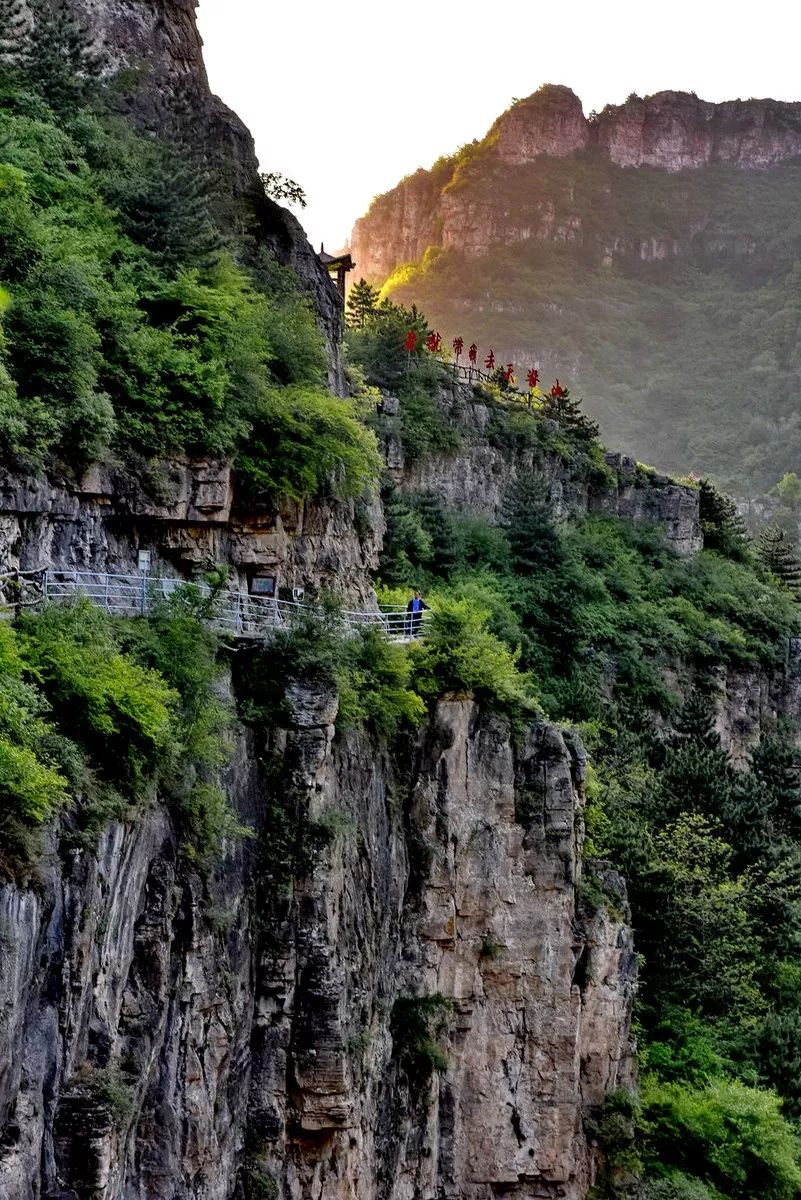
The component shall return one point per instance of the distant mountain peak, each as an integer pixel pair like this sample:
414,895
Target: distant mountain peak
671,130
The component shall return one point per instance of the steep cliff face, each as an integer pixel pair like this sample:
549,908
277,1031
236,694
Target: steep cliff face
167,1035
163,1039
256,1033
161,41
185,514
478,478
676,131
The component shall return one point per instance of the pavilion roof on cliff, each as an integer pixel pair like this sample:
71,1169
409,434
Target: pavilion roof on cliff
335,260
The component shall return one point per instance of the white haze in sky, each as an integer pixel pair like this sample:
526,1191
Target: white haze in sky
346,97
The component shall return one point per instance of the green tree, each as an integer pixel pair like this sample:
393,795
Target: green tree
567,412
788,489
361,305
722,526
695,924
379,346
695,720
280,188
732,1137
779,556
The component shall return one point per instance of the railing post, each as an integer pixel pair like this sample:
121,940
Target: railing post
144,596
238,611
106,577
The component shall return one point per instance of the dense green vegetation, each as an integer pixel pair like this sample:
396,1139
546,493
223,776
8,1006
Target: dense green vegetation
98,717
127,326
691,360
130,328
588,620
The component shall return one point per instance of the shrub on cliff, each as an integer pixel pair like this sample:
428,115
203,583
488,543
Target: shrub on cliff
98,716
121,712
372,677
460,654
419,1025
305,442
33,783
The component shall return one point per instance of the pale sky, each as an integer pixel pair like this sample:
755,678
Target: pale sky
347,96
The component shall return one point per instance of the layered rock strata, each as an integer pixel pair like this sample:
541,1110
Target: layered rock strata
455,207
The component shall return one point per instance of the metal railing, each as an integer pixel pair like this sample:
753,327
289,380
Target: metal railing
233,612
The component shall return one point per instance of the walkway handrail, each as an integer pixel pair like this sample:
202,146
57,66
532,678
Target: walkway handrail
231,611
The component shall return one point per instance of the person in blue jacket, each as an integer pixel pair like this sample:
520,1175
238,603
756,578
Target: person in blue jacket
414,614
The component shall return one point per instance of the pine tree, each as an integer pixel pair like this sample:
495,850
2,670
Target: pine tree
171,209
779,557
362,303
721,524
567,412
696,774
168,209
61,60
695,720
14,33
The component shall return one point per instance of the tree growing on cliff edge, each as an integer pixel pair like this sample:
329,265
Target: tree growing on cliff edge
558,405
362,304
280,188
722,526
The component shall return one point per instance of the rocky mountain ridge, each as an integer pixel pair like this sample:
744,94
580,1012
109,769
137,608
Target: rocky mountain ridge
670,131
674,131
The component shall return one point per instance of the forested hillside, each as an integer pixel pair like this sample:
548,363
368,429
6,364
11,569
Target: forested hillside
312,912
668,297
128,325
614,635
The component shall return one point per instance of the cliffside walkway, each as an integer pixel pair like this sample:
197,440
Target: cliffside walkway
233,612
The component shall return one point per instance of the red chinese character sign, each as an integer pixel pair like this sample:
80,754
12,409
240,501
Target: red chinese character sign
509,375
533,379
458,347
411,341
472,354
434,343
557,391
489,361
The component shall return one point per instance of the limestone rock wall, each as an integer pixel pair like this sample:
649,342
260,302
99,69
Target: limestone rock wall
162,1037
677,130
186,513
478,477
